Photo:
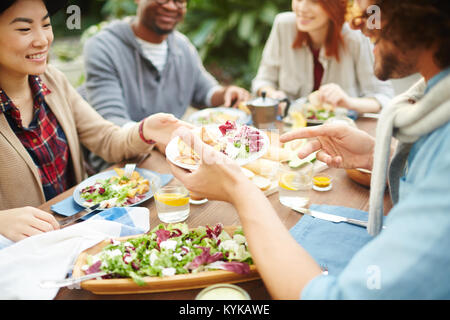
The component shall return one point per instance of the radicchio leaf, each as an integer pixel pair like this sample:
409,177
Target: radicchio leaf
94,268
205,258
163,235
237,267
233,266
227,126
214,233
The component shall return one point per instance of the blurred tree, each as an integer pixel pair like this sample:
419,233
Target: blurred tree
118,8
230,34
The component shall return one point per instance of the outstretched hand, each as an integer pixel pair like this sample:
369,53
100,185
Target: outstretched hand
338,145
160,127
335,95
234,95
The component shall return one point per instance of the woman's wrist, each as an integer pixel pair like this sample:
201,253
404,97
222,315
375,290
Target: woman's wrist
142,134
362,105
351,103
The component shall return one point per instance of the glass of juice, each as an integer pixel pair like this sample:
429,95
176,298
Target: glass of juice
172,203
295,185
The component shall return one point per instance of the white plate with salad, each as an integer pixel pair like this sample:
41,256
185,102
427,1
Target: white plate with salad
112,189
241,143
219,115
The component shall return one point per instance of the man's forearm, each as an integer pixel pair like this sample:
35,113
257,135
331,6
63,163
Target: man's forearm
283,264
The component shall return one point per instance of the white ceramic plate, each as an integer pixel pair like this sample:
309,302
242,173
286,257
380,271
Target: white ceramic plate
172,152
108,174
200,118
300,105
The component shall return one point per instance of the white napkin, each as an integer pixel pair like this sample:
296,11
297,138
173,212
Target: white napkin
52,255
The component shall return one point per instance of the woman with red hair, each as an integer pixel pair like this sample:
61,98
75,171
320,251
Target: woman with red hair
313,49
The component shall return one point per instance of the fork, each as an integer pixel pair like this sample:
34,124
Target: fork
129,168
47,284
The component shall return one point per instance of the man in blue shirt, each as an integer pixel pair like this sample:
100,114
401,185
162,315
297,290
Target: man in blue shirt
409,258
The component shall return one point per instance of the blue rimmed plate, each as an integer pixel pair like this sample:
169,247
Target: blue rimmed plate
147,174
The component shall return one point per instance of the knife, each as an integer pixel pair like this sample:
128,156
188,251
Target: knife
69,220
330,217
370,115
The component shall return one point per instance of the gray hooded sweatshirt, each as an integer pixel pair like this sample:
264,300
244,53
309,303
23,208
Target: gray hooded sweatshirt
123,85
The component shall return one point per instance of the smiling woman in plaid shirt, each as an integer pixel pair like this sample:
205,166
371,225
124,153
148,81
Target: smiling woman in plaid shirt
44,122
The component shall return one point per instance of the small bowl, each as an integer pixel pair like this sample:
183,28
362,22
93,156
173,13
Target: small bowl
223,291
322,182
360,176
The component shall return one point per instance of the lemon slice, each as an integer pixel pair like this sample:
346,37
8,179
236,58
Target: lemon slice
286,182
172,199
299,120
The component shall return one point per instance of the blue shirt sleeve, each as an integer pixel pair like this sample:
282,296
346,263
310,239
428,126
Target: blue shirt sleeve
410,258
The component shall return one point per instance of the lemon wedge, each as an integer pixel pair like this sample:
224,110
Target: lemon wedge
286,182
172,199
299,120
242,106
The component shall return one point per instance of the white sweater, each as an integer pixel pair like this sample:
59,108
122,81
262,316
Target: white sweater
292,70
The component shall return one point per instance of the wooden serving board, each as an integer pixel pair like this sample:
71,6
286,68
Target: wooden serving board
157,284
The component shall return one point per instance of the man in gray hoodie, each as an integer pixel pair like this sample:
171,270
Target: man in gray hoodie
140,66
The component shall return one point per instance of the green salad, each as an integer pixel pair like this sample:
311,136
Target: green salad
116,191
171,250
320,114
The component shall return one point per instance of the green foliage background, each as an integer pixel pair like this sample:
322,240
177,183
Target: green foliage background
229,34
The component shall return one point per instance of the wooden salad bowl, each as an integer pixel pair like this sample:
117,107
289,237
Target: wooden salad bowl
157,284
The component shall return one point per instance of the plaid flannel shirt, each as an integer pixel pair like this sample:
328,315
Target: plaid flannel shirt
44,139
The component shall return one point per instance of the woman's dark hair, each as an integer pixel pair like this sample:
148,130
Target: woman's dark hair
52,5
417,23
5,4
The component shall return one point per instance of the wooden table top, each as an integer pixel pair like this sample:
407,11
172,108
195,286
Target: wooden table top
345,192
